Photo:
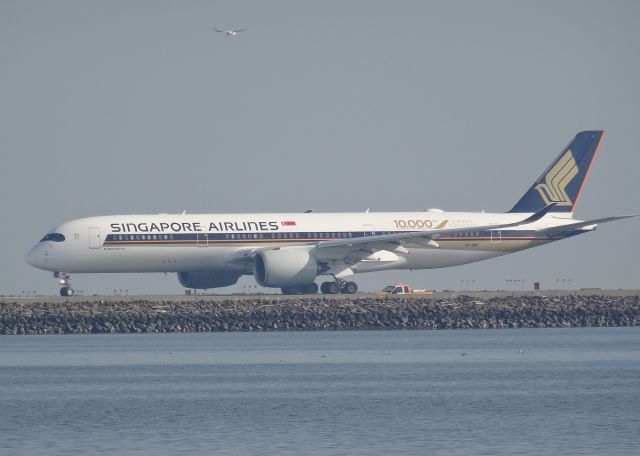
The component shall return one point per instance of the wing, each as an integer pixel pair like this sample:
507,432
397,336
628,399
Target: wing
427,237
219,31
240,30
341,254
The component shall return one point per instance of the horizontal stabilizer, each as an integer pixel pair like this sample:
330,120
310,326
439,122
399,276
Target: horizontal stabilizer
559,230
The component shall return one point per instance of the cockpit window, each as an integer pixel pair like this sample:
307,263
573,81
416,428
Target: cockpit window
55,237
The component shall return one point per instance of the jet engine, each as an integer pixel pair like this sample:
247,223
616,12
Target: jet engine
285,268
207,279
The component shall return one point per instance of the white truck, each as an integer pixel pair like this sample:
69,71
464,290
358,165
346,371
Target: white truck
402,289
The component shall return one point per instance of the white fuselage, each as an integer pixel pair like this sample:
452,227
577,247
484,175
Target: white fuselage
211,242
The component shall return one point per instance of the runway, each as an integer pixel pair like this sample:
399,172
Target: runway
317,297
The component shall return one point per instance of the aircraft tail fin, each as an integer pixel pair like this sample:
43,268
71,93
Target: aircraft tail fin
563,181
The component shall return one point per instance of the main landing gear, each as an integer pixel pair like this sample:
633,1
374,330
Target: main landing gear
338,286
64,279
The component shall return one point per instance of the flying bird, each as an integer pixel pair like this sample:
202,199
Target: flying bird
230,32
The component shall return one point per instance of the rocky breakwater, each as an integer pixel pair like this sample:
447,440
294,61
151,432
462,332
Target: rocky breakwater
272,314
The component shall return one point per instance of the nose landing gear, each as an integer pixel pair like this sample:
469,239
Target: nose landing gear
66,291
64,279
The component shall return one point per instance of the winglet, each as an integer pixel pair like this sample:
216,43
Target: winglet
538,215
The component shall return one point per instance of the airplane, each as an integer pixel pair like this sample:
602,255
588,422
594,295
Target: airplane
230,32
290,250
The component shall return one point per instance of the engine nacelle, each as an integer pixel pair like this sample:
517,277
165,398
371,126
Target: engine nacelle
207,279
285,268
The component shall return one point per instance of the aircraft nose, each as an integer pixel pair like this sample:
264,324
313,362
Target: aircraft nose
35,257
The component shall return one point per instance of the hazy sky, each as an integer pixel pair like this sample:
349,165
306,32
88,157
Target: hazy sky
139,107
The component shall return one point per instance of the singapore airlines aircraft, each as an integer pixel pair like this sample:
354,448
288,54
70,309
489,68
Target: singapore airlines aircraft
289,251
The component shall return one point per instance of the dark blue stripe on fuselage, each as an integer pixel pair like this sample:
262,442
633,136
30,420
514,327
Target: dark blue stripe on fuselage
308,237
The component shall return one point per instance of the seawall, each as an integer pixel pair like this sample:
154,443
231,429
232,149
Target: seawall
272,313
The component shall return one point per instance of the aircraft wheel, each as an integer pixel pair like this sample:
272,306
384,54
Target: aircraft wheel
66,291
349,288
290,290
312,288
330,288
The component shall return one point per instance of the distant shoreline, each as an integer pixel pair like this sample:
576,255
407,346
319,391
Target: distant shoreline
478,310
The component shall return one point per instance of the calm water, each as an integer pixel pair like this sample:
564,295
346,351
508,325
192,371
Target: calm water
569,391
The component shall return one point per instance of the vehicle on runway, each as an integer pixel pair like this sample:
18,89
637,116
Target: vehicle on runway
289,251
402,289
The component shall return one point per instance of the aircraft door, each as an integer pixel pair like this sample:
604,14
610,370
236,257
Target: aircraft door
95,240
202,239
369,230
496,236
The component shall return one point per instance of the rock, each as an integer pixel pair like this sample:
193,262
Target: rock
277,315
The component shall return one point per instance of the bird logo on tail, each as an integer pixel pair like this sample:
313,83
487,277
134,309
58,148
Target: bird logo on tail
553,190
